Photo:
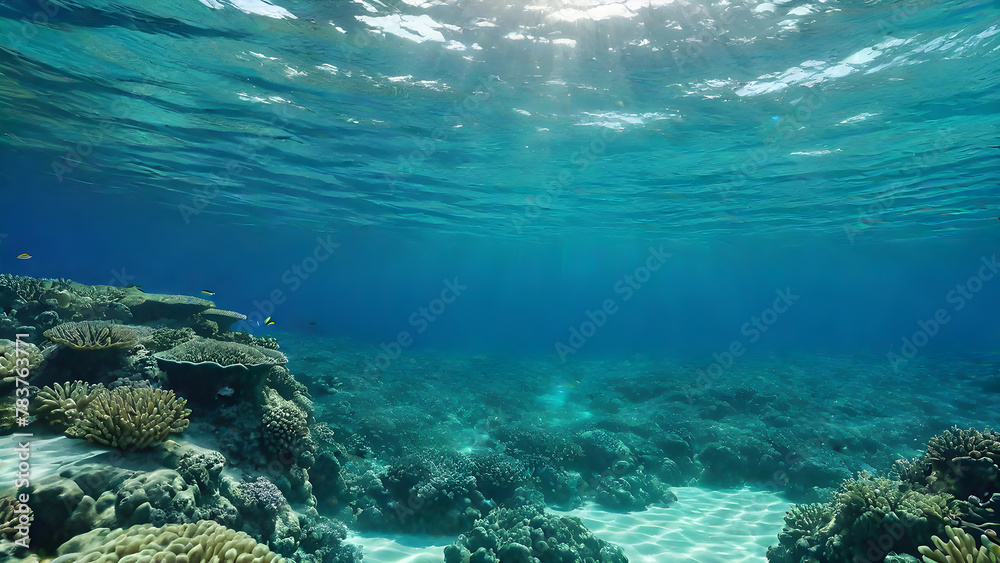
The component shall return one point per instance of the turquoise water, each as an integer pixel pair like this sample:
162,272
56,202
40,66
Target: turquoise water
773,219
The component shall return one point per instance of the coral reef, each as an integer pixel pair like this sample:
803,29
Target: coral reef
870,517
126,418
963,463
285,432
163,339
201,541
92,335
222,317
526,533
10,519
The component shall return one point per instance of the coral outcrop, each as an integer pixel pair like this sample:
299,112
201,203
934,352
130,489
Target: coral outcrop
126,418
201,368
526,533
202,541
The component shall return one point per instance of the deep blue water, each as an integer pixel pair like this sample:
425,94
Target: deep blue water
842,152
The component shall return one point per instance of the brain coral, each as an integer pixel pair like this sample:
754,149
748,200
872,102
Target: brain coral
201,542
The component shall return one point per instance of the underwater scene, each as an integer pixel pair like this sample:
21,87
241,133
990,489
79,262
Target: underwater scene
468,281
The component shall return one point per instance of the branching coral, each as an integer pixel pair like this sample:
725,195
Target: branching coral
17,287
868,511
126,418
92,335
199,542
963,463
960,548
61,405
10,352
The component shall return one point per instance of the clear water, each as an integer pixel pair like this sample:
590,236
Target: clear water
569,184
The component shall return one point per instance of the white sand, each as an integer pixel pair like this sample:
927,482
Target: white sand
703,526
49,454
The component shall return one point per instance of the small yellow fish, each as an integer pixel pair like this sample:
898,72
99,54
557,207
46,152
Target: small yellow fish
207,292
23,256
268,321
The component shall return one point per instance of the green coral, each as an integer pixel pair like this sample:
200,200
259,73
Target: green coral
888,514
961,547
201,541
10,518
125,418
7,414
9,356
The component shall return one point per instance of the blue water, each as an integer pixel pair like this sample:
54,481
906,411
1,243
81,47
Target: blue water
769,225
845,151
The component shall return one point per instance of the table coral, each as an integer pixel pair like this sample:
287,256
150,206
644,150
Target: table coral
92,335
